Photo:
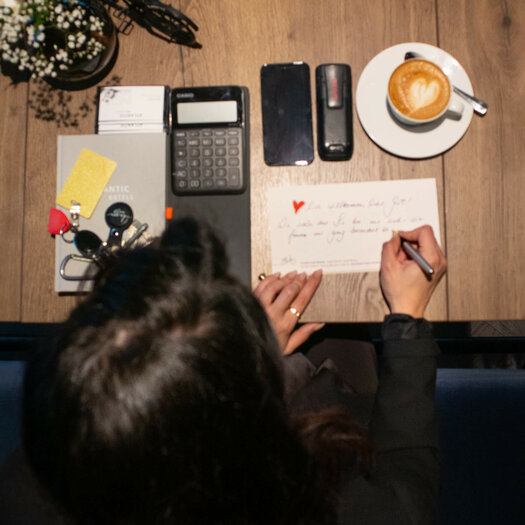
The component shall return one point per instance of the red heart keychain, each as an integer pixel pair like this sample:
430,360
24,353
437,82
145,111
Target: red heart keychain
58,222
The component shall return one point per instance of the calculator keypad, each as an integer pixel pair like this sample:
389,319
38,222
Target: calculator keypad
207,161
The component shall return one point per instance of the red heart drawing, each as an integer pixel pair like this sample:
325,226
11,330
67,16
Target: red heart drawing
297,205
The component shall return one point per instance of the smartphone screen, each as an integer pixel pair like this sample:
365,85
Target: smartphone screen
287,114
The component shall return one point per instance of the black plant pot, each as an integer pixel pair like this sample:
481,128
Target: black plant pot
90,72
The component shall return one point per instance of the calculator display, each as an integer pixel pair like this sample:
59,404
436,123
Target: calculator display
206,112
209,146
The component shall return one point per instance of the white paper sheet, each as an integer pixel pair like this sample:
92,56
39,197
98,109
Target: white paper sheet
342,227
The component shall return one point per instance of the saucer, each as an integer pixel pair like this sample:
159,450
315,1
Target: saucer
413,142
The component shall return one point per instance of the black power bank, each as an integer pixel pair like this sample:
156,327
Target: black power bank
334,111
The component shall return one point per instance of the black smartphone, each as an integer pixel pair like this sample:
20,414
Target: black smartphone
287,114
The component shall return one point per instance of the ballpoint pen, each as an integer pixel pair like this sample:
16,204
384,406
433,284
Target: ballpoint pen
417,257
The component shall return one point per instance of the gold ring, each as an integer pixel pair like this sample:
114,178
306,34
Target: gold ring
262,277
295,312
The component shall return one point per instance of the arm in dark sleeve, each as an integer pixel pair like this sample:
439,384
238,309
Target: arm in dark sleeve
403,429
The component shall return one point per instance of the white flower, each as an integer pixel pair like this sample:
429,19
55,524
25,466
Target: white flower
18,35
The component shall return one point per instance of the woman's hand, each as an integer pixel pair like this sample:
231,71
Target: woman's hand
284,300
405,286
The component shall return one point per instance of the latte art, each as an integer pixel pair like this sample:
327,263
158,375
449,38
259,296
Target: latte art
419,89
421,93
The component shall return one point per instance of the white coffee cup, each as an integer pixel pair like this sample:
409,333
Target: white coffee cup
419,92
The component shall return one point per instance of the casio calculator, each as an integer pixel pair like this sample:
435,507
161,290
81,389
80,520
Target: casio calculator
209,140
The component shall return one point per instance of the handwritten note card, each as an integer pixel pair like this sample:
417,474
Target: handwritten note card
342,227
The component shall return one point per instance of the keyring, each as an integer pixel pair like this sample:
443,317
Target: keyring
64,230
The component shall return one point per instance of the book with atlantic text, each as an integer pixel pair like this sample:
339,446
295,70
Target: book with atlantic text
138,178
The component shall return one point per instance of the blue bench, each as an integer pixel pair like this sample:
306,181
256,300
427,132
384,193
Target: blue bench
482,431
11,379
482,426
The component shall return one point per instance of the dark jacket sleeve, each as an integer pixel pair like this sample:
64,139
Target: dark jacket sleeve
403,486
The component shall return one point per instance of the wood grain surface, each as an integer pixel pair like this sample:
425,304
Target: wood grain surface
484,173
13,120
480,181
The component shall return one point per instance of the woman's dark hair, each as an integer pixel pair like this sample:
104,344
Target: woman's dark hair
161,399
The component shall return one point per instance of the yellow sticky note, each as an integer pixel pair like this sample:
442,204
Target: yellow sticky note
86,181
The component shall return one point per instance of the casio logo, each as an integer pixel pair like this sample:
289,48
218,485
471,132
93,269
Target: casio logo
185,95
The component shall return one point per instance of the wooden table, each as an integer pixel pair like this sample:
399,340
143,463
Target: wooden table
481,181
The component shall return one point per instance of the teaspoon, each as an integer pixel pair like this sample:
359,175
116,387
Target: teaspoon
480,106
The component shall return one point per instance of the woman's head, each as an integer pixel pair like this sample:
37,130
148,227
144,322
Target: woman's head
162,398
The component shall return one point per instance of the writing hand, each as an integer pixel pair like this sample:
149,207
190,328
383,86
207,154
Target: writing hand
280,296
406,288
